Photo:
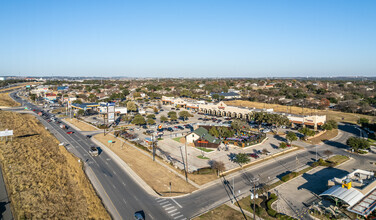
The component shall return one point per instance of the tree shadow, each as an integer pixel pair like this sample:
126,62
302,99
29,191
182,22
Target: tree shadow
3,207
336,144
279,138
317,182
27,135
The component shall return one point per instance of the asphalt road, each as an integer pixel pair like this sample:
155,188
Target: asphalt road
127,197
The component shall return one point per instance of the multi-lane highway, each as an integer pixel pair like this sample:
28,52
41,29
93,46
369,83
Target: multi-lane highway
123,196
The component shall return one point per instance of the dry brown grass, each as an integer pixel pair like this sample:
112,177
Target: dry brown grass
6,100
327,135
44,180
154,174
221,212
81,125
331,115
20,86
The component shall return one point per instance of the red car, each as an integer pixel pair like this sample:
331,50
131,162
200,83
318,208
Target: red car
70,132
254,155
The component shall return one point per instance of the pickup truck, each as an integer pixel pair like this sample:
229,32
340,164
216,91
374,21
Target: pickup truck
93,151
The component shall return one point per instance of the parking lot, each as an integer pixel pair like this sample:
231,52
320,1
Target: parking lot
172,148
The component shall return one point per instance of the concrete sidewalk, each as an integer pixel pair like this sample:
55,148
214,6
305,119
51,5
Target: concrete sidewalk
5,209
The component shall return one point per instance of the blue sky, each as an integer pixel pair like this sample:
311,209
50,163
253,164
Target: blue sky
195,38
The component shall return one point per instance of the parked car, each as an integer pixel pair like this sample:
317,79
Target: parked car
253,155
70,132
169,129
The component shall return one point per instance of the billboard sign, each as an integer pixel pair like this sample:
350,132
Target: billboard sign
6,133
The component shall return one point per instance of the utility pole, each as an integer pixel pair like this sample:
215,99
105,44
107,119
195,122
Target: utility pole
186,160
316,151
255,196
153,145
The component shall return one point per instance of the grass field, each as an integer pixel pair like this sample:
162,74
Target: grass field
6,100
205,149
331,115
222,212
154,174
44,180
327,135
81,125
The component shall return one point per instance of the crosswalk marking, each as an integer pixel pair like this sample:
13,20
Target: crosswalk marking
172,211
178,216
168,208
166,205
163,202
176,213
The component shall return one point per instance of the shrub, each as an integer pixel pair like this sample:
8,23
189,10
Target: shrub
269,203
282,145
288,176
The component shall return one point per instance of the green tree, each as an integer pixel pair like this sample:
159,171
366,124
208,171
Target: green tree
306,132
330,125
184,115
240,125
213,131
215,96
131,106
291,136
77,101
363,121
219,166
81,112
139,120
282,145
358,143
152,116
173,116
163,118
155,109
150,121
241,159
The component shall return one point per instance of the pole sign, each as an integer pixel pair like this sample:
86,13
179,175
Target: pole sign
6,133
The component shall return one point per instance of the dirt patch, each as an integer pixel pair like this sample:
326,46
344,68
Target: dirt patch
6,100
154,174
81,125
221,212
331,115
44,180
327,135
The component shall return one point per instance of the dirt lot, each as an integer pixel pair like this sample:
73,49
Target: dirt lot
5,100
222,212
81,125
155,175
337,116
327,135
43,179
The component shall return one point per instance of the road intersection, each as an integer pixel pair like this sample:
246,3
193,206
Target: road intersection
123,196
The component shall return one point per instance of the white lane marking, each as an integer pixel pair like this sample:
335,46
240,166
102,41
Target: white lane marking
175,213
161,199
178,216
172,210
114,172
163,202
113,186
168,208
108,159
124,201
166,205
123,184
176,202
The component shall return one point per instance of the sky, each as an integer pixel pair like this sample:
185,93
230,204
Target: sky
188,38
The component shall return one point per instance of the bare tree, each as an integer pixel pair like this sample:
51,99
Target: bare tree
219,166
328,153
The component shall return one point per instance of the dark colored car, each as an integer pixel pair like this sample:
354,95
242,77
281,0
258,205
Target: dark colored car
253,155
169,129
144,127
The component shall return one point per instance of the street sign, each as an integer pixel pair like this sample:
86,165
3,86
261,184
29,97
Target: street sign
6,133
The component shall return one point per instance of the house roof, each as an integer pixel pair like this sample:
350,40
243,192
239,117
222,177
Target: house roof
204,134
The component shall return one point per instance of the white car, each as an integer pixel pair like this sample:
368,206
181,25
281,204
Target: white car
266,130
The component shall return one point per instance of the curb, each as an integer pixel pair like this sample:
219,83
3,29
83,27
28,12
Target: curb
126,168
